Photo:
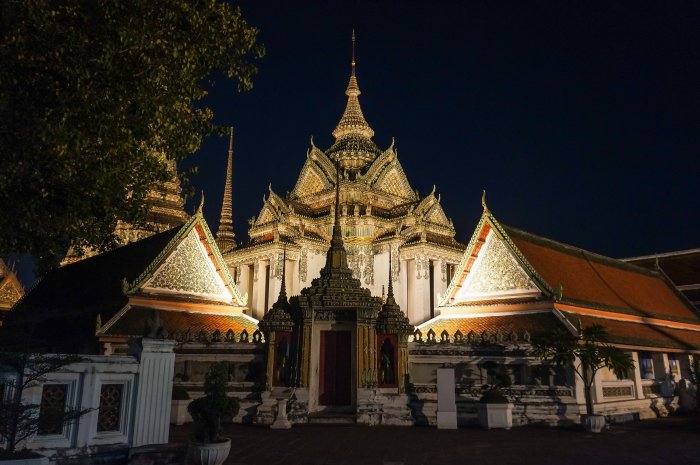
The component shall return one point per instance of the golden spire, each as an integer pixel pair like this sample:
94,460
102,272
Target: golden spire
225,238
353,146
353,121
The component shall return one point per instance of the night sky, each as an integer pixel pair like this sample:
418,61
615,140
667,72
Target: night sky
580,119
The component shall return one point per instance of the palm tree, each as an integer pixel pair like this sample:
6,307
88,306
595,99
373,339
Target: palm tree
591,348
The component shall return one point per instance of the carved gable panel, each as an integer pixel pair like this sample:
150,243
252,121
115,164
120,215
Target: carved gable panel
189,270
394,182
266,215
495,273
437,216
309,183
10,293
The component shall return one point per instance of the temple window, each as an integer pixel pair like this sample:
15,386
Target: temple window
52,408
283,357
110,410
646,365
673,366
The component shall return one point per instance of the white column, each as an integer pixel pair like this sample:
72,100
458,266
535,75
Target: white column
151,418
244,285
661,368
638,388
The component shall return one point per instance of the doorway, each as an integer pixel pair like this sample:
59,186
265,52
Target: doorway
334,375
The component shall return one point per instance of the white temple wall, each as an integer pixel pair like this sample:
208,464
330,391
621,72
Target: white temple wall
381,274
123,393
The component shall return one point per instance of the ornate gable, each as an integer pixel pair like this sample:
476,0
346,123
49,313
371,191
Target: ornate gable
188,270
393,181
436,215
310,181
267,214
10,292
190,265
495,273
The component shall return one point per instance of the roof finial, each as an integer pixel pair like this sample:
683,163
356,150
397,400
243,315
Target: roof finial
353,51
225,235
201,203
390,291
483,201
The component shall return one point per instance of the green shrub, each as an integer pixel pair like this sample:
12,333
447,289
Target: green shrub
493,396
208,411
180,393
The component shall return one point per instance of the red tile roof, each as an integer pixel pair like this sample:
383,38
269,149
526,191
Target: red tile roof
132,322
598,281
533,323
640,334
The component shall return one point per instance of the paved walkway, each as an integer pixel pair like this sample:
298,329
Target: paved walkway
663,441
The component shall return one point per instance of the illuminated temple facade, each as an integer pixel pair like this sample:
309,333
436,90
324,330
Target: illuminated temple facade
379,212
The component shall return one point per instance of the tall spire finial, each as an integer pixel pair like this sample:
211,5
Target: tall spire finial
353,51
225,237
283,287
337,256
390,291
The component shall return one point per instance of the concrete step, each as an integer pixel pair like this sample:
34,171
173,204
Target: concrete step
328,418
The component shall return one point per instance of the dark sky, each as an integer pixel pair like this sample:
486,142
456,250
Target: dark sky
580,119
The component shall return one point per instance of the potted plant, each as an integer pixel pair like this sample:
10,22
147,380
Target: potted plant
586,353
208,446
495,410
178,412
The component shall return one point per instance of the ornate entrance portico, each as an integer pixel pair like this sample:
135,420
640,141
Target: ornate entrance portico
337,364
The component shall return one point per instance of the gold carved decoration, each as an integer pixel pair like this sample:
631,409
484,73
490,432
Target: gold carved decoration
188,269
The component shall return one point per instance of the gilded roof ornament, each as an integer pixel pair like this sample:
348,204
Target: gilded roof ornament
200,208
353,146
483,201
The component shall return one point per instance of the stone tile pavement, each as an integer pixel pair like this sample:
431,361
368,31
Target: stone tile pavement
673,440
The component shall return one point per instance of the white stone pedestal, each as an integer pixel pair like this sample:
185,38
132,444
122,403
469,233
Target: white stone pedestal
447,407
281,422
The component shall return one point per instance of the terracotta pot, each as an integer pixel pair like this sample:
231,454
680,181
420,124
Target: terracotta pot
593,423
203,453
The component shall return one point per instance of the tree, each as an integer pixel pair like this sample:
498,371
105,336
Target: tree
592,350
94,96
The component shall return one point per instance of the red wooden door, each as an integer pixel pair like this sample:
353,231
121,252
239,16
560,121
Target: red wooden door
334,377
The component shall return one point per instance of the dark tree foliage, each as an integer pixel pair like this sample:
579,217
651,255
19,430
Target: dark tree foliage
94,95
209,411
585,354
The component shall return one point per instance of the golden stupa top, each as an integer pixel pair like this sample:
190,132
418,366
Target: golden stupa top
353,146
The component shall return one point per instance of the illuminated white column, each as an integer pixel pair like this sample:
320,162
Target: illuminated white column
154,390
638,387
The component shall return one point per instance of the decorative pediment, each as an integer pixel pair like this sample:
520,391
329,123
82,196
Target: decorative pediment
311,181
496,273
267,214
188,270
436,215
10,292
393,181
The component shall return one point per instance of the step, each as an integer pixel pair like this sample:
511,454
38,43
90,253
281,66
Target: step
328,418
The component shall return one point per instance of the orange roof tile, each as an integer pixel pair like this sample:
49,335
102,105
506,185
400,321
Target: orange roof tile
593,279
533,323
133,321
640,334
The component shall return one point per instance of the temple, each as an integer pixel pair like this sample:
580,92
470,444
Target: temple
380,214
296,315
